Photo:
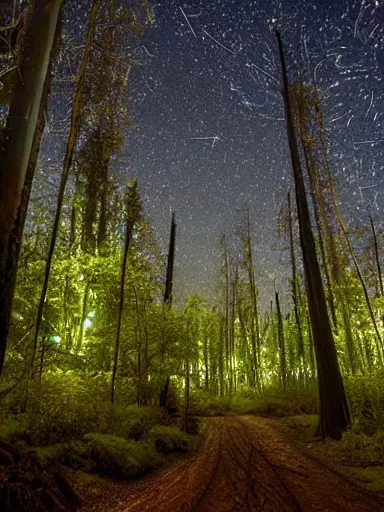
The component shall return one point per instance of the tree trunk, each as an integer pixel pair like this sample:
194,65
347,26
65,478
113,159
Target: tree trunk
132,217
20,147
295,297
334,412
377,259
281,341
255,328
167,301
76,114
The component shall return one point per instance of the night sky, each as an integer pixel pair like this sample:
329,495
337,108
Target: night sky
209,137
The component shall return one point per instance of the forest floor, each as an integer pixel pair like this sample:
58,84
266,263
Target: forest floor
242,463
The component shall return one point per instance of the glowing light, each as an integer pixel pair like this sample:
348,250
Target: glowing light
55,339
87,323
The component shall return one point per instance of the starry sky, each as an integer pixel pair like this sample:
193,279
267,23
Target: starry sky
209,137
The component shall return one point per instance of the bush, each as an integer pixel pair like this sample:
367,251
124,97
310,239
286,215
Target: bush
74,454
304,425
65,407
13,428
134,422
116,456
366,402
168,439
242,405
203,403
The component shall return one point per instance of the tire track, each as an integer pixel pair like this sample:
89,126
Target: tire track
244,464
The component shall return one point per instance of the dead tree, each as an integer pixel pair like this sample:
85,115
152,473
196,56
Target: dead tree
334,412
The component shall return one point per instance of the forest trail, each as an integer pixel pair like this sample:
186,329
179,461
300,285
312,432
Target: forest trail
244,463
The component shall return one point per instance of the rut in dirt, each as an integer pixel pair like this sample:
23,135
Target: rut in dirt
245,464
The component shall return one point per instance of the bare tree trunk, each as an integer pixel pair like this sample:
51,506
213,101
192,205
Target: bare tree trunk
186,389
221,355
20,147
255,328
133,213
167,302
334,412
295,296
377,259
76,114
281,341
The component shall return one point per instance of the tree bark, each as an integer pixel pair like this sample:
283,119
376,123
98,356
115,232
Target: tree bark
134,208
334,412
281,341
167,302
68,159
20,147
295,296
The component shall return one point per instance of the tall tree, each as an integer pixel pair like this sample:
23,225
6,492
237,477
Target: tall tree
377,258
134,208
281,344
295,288
68,159
255,324
334,412
168,291
167,302
21,140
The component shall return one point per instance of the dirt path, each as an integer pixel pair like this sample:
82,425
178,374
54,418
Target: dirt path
244,464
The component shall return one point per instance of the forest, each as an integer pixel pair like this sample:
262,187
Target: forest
105,375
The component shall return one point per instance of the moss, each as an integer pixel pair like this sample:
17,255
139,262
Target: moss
371,478
115,456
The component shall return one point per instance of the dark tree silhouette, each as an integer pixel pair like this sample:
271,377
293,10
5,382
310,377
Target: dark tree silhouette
334,412
20,145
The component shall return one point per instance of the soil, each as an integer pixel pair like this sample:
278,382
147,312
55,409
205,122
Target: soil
244,463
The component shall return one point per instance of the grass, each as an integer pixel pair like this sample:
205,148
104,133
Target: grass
357,455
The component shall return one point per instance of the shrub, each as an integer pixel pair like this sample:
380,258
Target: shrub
74,454
116,456
134,422
168,439
12,428
203,403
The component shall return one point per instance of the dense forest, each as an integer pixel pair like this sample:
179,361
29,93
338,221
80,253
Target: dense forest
102,368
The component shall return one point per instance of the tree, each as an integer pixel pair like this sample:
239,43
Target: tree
134,208
20,140
68,159
167,303
334,412
281,343
295,288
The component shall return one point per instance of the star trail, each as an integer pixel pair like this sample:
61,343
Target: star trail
209,134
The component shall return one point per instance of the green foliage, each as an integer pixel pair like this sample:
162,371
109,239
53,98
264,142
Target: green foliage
13,428
134,422
204,403
303,426
370,477
63,408
168,439
116,456
366,399
74,454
